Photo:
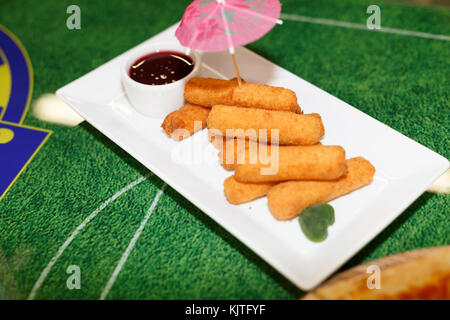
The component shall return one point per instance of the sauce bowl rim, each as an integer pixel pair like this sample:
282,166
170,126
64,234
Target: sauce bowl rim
153,48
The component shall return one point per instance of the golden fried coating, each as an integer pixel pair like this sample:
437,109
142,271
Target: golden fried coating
228,154
238,192
317,116
422,274
286,128
253,95
230,149
216,139
281,163
288,199
208,91
185,121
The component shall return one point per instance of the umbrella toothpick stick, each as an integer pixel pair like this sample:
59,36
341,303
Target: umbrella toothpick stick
237,69
217,25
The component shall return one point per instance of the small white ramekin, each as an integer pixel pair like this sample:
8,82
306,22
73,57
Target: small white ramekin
156,101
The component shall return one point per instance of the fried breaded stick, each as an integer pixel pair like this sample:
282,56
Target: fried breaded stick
281,163
253,95
265,125
230,149
317,116
238,192
288,199
228,154
208,91
216,139
185,121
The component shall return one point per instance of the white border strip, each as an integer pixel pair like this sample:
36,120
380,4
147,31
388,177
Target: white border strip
352,25
69,240
133,241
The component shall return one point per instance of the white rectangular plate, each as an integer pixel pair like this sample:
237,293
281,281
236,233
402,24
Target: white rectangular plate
404,168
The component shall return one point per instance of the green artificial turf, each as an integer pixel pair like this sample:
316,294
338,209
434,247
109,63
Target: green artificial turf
401,81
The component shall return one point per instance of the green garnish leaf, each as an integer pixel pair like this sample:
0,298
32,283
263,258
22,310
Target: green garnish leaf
314,221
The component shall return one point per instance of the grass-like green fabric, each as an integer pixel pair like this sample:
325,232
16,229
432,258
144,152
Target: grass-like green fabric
401,81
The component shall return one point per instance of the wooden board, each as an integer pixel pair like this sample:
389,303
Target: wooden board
417,274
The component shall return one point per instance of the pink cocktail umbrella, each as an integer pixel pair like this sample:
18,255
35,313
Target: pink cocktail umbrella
216,25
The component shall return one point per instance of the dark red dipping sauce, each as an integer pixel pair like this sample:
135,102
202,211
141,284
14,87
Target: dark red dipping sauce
162,67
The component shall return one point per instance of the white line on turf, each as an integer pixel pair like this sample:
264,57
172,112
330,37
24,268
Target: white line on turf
133,241
345,24
69,240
